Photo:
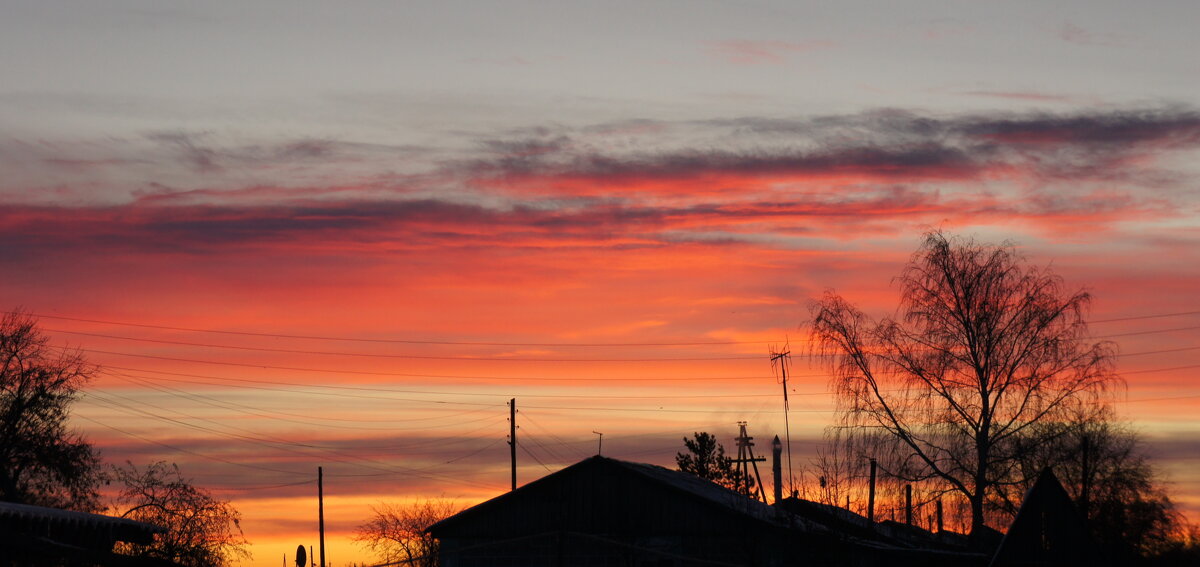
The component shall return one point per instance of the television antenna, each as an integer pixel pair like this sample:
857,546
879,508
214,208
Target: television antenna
779,361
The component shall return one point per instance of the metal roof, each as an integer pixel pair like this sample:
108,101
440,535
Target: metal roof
119,529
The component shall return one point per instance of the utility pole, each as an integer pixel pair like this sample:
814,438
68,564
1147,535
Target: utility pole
600,448
512,438
1085,496
871,497
780,360
908,511
321,510
745,460
939,515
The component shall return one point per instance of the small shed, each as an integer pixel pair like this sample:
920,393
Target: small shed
36,535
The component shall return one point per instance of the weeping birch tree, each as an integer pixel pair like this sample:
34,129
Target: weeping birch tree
982,350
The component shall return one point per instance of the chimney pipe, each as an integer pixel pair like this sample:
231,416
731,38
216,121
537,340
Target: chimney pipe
777,467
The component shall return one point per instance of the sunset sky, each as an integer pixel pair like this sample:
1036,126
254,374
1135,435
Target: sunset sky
302,234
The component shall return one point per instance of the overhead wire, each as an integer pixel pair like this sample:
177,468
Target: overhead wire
526,450
389,341
482,407
183,450
431,392
282,445
307,418
259,488
479,343
490,420
402,374
554,456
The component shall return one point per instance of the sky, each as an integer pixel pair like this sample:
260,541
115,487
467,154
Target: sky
302,234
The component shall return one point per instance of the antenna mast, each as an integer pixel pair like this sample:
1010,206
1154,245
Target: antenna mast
780,360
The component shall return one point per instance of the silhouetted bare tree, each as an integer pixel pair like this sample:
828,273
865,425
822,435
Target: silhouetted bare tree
41,461
202,531
396,533
983,349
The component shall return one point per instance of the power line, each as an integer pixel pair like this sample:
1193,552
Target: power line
1140,317
256,488
407,374
307,419
574,408
429,392
281,445
535,457
388,341
442,441
482,343
1153,332
460,359
187,451
401,356
473,377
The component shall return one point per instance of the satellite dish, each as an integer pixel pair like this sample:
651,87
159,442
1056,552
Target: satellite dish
301,557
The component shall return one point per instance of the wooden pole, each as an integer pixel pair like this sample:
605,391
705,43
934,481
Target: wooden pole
939,515
1085,493
321,510
908,504
512,438
871,495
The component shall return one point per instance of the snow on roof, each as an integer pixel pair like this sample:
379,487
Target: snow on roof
25,512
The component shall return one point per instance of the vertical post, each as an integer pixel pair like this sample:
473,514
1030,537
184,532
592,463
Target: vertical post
871,495
939,515
777,467
512,438
1085,490
908,504
321,510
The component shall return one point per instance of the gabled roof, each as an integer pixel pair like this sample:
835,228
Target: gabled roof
1048,530
683,484
701,488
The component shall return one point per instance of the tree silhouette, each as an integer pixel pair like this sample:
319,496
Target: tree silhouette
202,531
396,533
41,461
705,458
983,350
1101,464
